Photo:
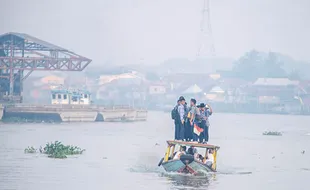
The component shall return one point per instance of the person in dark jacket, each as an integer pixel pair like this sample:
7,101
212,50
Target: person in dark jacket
182,110
176,121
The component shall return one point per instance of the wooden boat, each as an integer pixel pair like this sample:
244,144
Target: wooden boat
187,163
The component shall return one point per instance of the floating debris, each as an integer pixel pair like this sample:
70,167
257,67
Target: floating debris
303,152
272,133
30,150
306,169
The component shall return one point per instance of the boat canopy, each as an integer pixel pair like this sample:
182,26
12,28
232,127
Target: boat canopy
193,144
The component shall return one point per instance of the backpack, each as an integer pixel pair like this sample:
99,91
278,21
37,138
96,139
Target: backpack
174,113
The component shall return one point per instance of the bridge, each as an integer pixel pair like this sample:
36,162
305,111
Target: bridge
21,54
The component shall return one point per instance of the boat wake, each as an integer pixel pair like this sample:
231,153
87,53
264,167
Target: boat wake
186,181
234,173
145,169
155,169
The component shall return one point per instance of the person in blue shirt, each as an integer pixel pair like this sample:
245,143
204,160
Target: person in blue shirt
193,112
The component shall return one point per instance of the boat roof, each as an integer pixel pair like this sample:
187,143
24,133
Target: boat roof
194,144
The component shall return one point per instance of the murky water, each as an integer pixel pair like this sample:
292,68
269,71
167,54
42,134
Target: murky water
125,155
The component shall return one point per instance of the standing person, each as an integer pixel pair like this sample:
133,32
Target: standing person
193,111
182,114
197,123
207,114
202,123
187,132
176,117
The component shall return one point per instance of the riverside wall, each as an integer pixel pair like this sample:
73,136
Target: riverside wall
74,113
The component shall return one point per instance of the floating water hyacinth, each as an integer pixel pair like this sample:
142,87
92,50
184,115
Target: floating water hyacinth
58,150
272,133
30,150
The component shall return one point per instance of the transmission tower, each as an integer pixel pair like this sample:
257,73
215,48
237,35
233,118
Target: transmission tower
206,44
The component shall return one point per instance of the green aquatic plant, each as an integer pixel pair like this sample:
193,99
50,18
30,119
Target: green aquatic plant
272,133
58,150
30,150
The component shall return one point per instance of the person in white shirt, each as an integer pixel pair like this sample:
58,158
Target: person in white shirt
196,154
179,153
210,158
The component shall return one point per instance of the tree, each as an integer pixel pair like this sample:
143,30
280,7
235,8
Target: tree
294,75
256,64
272,67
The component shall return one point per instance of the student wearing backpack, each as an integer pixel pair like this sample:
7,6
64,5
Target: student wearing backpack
178,114
182,110
175,116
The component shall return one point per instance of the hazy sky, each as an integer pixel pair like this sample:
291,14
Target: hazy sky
126,31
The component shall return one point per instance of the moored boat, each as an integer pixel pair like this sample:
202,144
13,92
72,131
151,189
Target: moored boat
188,163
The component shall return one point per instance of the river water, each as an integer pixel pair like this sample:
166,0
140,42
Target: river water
125,155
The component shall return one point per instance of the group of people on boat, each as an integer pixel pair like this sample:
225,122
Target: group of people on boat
208,160
191,122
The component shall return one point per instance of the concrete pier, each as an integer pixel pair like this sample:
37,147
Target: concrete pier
1,111
74,113
124,115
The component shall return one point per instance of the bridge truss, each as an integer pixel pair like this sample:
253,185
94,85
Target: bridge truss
21,54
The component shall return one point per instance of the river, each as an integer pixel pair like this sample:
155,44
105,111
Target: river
125,155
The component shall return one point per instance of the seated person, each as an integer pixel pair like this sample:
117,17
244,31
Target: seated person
190,151
200,158
179,153
196,154
210,158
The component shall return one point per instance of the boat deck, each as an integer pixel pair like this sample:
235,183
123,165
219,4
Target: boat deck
194,144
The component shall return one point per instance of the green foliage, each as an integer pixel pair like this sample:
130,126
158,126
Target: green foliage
272,133
57,150
256,64
30,150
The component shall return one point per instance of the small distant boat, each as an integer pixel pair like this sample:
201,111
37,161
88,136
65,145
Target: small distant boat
187,163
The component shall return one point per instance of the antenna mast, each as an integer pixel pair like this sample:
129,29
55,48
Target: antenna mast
206,45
